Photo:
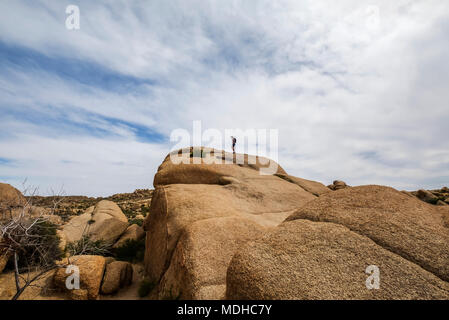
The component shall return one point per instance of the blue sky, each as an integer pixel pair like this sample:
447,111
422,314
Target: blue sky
358,92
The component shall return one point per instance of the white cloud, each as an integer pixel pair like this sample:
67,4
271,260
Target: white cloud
353,99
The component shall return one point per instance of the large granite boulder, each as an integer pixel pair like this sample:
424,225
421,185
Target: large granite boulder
105,221
91,271
11,199
323,249
302,259
224,204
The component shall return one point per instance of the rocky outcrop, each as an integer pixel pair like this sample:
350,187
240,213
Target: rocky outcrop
302,259
10,196
427,196
202,211
105,221
323,249
438,197
133,232
118,274
337,185
199,263
91,270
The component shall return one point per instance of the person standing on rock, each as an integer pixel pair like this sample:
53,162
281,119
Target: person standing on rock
234,141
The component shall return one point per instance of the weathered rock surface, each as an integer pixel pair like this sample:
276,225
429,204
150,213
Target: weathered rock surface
91,270
404,225
302,259
118,274
322,250
133,232
193,198
105,221
199,263
313,187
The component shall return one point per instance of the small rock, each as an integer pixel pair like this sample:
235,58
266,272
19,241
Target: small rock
426,196
441,203
337,185
118,274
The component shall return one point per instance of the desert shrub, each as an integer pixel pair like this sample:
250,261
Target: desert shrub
139,222
128,212
145,210
87,246
48,240
131,251
145,287
39,246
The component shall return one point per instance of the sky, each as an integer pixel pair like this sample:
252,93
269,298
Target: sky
358,90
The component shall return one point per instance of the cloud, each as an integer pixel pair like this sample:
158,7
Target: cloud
358,92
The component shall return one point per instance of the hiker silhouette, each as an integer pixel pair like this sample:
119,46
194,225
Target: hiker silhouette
234,141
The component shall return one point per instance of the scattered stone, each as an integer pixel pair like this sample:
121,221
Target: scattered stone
426,196
337,185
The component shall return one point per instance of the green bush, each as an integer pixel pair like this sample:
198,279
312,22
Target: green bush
131,251
39,246
139,222
47,241
86,246
145,210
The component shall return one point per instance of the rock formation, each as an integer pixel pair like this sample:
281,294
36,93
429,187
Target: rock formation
202,212
105,221
118,274
91,271
10,197
323,249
